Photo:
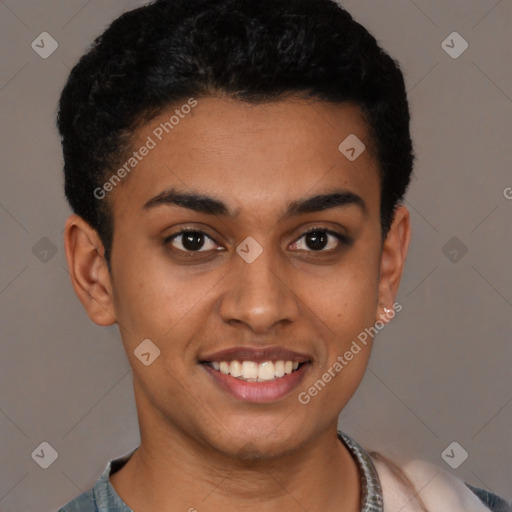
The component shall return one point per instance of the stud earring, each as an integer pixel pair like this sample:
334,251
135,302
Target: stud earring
388,311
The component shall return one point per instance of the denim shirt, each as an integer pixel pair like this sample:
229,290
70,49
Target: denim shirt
103,497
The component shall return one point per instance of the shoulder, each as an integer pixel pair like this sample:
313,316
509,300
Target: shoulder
102,497
438,489
83,503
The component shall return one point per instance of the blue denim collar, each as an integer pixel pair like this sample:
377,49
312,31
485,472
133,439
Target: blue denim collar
371,491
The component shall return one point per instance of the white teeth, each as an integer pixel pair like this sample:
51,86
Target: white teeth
235,369
266,371
249,370
254,372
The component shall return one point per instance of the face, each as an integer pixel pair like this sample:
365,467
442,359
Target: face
248,249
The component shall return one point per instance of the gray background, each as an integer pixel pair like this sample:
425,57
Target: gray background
440,371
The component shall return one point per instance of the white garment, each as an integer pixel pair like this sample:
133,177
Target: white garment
439,490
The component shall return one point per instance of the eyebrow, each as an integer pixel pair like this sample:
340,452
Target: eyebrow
206,204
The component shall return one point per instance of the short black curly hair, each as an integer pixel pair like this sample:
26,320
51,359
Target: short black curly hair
254,51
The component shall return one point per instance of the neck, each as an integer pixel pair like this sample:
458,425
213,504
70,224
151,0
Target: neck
184,475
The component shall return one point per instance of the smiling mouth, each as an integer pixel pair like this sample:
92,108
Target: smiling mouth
252,371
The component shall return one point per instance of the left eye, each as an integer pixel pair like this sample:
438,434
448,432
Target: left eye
317,240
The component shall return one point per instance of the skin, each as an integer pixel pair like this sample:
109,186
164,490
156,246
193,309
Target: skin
201,447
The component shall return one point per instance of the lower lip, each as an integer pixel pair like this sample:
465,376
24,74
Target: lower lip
259,392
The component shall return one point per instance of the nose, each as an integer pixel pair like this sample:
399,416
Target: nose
259,295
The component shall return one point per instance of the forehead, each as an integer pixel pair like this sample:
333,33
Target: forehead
250,155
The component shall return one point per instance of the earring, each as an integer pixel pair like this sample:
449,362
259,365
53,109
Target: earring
388,311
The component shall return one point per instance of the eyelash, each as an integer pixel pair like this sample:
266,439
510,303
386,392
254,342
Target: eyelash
343,240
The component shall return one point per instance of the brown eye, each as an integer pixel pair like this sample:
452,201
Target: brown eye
191,241
321,240
316,240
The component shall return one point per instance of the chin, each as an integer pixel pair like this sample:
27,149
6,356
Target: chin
259,452
258,444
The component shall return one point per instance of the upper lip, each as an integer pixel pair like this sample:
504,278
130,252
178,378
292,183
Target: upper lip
258,355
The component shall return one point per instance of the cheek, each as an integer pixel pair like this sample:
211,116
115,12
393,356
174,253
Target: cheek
143,293
150,304
346,299
347,307
353,317
159,301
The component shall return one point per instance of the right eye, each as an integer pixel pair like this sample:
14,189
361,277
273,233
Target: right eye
190,241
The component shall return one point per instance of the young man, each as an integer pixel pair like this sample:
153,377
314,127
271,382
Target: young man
236,169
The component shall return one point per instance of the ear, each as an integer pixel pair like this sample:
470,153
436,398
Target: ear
394,253
88,270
